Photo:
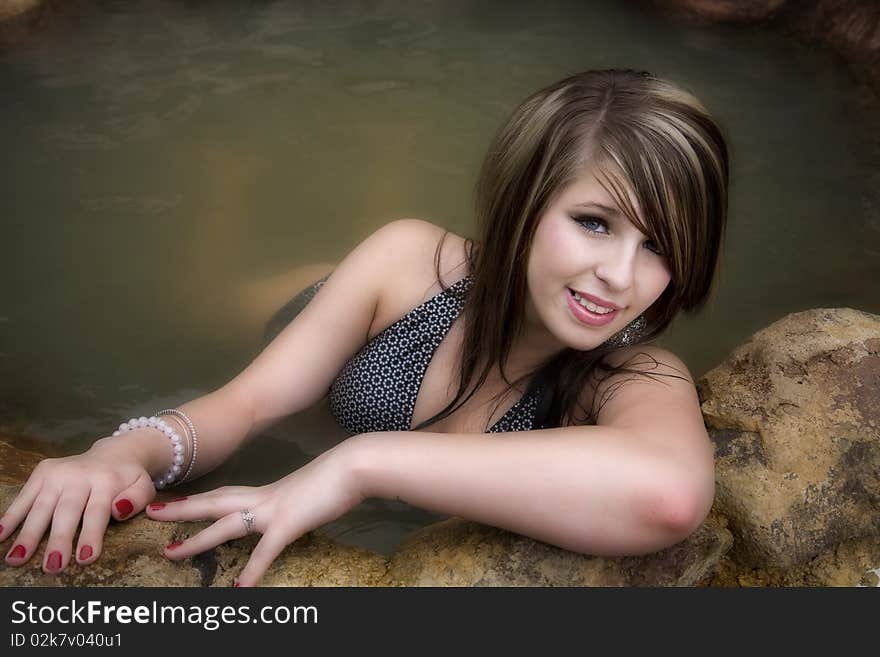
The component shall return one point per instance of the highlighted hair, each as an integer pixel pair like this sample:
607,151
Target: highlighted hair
636,132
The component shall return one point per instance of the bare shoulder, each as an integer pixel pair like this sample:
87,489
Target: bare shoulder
650,359
654,396
412,245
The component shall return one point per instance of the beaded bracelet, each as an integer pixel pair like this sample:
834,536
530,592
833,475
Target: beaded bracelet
156,423
192,432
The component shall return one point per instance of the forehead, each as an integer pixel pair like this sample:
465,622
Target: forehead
604,186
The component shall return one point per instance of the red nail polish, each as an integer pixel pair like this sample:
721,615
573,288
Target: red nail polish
85,552
237,584
124,507
180,499
157,506
18,552
171,546
53,563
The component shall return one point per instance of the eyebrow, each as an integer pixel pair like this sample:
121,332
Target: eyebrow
610,210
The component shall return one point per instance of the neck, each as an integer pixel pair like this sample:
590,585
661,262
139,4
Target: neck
534,345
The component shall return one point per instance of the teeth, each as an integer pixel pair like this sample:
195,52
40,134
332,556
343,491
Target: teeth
589,305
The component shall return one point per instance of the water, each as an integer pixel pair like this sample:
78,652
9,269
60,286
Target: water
167,165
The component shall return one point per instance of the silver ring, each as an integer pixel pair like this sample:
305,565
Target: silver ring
249,519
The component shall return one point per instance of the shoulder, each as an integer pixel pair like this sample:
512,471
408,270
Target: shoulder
416,241
649,359
649,390
654,404
411,246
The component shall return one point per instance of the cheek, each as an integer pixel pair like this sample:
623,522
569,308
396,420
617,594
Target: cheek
553,249
660,279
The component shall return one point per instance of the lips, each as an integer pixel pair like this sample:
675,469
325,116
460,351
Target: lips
587,317
599,301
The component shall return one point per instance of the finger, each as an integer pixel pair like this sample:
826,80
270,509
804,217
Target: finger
38,519
226,529
212,505
19,508
133,499
96,517
65,520
266,551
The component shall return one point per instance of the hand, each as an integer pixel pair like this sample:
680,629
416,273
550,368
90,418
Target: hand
108,479
314,495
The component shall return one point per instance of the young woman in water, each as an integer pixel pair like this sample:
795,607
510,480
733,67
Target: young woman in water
601,207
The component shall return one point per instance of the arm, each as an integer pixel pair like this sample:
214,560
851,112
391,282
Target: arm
295,370
641,480
114,477
637,482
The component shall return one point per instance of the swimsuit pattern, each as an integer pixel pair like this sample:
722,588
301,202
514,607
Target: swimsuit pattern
377,389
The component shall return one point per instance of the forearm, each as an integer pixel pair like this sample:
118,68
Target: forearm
593,489
222,422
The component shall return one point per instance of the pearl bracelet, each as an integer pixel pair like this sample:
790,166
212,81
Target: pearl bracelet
191,436
157,423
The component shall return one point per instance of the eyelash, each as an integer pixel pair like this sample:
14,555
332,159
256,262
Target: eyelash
582,220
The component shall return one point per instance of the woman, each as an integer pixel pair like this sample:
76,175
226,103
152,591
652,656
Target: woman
601,207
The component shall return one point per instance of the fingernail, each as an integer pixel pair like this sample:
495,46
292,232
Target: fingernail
171,546
54,561
85,552
237,584
18,552
157,506
124,507
179,499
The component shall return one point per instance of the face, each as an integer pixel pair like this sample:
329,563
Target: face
585,244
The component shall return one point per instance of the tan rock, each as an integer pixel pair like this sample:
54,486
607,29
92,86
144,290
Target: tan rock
457,552
795,417
132,556
848,564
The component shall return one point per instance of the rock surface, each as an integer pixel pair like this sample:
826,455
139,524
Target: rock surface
734,11
795,417
460,553
10,8
849,27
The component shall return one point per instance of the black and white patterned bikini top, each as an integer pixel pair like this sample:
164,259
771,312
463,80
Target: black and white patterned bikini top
376,390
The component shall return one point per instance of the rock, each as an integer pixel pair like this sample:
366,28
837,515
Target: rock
851,563
132,556
795,417
10,8
734,11
457,552
132,553
16,464
849,27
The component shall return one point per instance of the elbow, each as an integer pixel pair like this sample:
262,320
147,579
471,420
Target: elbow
680,505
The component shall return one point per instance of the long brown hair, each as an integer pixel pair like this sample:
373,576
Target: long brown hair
639,133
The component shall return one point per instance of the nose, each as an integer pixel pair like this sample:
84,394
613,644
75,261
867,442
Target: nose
616,268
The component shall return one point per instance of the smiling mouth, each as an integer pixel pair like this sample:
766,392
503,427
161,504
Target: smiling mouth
589,305
589,317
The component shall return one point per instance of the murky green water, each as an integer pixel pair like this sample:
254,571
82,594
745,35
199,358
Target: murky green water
164,162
